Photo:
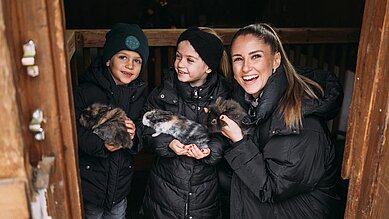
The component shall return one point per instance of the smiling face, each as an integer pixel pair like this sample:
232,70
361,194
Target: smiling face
189,65
253,62
125,66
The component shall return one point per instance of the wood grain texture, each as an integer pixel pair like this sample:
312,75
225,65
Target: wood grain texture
367,134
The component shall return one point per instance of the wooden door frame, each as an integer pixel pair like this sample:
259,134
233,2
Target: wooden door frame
366,156
43,22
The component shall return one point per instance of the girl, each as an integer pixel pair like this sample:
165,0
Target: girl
183,181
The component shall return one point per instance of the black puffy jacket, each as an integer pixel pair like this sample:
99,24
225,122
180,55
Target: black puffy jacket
106,176
180,186
282,172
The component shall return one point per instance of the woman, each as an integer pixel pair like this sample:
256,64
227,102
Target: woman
288,168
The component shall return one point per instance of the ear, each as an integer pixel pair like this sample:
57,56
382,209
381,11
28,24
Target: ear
208,70
107,63
277,60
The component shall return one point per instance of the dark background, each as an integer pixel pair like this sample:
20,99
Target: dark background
101,14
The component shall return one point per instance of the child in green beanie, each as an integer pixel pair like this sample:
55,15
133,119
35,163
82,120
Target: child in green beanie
113,79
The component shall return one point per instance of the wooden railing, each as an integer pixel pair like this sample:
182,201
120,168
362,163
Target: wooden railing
333,49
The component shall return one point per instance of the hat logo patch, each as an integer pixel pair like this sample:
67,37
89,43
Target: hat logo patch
132,42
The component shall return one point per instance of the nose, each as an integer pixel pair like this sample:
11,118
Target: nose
246,66
180,63
129,65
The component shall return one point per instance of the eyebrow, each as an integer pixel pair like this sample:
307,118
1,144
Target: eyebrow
125,54
188,56
250,53
256,51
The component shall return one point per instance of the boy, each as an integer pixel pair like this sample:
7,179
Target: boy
106,170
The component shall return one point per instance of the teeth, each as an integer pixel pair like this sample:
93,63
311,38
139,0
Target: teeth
250,77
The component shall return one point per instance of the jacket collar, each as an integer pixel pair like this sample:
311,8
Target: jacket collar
194,94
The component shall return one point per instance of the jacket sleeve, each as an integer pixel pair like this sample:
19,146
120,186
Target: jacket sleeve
138,141
88,142
271,179
160,143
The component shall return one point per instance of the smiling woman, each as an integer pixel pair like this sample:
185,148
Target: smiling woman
289,164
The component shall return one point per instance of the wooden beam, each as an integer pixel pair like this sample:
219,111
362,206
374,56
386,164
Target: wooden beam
13,201
70,37
168,37
366,150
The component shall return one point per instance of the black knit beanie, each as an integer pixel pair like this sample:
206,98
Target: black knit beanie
126,37
207,45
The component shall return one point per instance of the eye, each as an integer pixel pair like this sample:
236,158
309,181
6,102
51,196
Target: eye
237,59
256,56
190,60
178,56
213,121
122,57
138,61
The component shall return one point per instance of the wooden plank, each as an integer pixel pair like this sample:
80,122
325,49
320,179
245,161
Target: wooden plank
13,201
368,119
70,37
66,183
168,37
42,21
11,139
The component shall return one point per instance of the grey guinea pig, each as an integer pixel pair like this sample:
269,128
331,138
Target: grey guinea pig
181,128
232,109
107,122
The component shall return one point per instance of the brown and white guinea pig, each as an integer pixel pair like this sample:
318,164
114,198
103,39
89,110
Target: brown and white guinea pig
232,109
181,128
107,122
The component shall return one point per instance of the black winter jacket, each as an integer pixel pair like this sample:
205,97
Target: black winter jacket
281,172
180,186
106,176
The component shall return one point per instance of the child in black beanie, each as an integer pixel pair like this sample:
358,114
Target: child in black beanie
113,79
183,182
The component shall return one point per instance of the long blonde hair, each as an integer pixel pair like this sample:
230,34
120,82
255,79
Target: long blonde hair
224,66
298,86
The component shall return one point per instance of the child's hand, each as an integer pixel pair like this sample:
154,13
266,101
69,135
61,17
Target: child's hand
178,147
130,127
112,148
231,130
194,151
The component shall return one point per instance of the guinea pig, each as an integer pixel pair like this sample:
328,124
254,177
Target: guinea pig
107,122
181,128
232,110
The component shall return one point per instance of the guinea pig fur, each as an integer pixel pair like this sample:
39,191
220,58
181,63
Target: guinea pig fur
107,122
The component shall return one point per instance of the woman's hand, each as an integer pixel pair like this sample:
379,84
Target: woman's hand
130,127
112,148
195,152
178,147
231,130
